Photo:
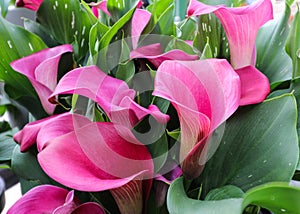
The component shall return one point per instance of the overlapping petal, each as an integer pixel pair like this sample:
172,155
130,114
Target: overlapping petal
241,26
113,95
204,93
52,199
155,55
41,69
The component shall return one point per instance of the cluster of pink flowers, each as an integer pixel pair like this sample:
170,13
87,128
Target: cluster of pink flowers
95,156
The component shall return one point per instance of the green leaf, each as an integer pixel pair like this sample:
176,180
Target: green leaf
7,145
165,23
70,22
254,147
207,52
26,166
4,7
187,29
224,192
276,197
158,7
16,42
119,8
178,202
272,59
179,44
101,59
293,44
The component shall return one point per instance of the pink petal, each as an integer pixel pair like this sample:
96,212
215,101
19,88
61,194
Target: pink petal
155,55
240,24
28,135
30,4
204,92
41,199
255,85
93,156
113,95
41,69
102,5
90,208
139,21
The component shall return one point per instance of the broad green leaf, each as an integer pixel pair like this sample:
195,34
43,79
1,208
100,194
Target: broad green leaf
210,27
119,8
293,45
178,202
4,7
96,33
272,59
126,68
26,166
100,59
276,197
158,7
207,52
179,44
7,145
36,28
16,42
254,147
187,29
289,2
70,22
224,192
165,23
295,89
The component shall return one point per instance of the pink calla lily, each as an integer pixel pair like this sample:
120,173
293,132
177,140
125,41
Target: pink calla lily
30,4
241,26
94,155
41,69
53,199
204,93
155,55
113,95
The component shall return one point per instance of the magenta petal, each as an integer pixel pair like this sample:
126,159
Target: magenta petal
113,95
41,69
30,4
241,26
28,135
68,206
41,199
139,21
91,156
255,85
90,208
154,54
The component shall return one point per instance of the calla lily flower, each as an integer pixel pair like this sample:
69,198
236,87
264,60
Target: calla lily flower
30,4
113,95
241,26
204,93
41,69
155,55
53,199
95,157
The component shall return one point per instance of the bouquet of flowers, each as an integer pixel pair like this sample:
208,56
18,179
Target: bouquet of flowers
123,107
